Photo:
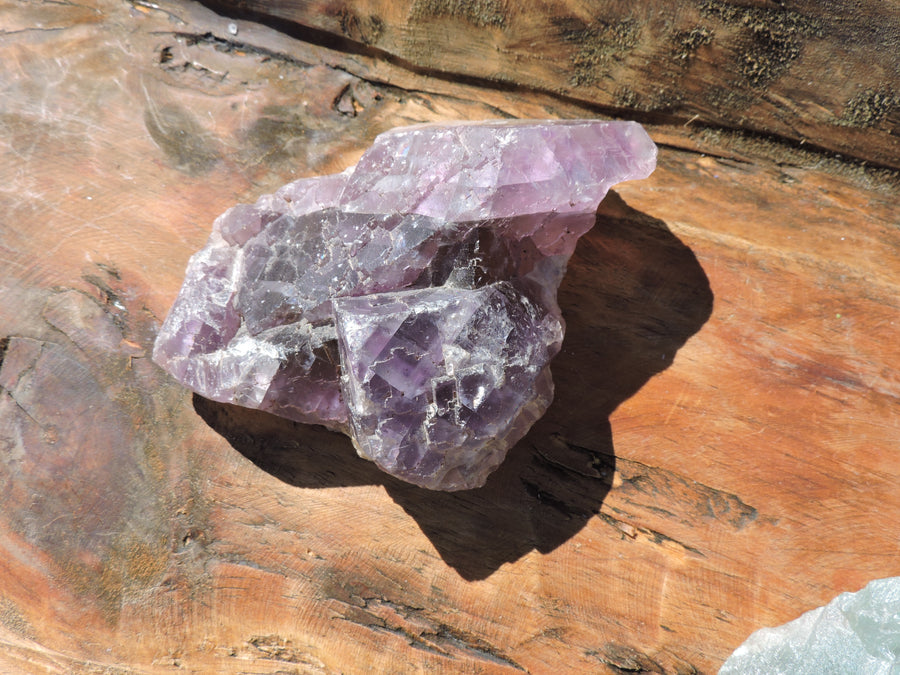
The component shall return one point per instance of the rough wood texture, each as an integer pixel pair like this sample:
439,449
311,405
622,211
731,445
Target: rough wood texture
806,71
722,454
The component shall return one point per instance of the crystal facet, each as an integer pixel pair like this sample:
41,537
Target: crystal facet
409,301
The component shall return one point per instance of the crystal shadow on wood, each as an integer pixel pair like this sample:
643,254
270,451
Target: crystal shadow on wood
634,294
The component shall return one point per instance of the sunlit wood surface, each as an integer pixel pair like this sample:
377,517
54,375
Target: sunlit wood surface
724,449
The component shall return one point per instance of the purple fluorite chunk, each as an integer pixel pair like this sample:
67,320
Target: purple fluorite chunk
409,301
440,382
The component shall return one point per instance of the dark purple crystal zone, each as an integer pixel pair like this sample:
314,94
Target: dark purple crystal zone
409,301
441,372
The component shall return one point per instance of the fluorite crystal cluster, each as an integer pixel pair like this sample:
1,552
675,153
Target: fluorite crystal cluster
409,301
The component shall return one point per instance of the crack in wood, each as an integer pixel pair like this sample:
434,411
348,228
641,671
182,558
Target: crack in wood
4,346
697,500
34,29
625,659
420,631
228,46
653,536
277,648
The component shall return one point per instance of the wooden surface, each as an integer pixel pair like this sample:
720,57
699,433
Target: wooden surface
722,453
804,71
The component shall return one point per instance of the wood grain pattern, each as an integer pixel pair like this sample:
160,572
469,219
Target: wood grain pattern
810,72
722,453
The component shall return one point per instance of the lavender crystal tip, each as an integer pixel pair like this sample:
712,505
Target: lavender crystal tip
410,301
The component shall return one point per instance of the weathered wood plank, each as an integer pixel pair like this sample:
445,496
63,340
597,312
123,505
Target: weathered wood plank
823,73
720,455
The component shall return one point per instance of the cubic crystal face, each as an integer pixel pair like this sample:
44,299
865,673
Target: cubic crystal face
409,301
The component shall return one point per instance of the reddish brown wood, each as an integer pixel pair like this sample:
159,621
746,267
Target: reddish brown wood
721,454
